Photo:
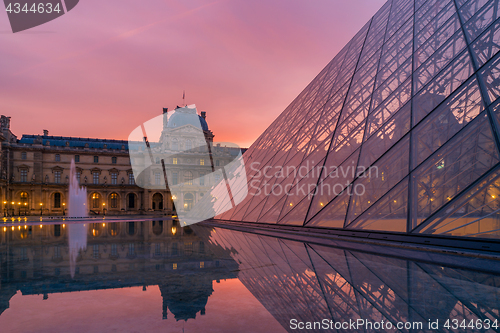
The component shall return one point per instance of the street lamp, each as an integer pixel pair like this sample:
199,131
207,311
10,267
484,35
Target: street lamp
4,208
41,209
103,208
64,208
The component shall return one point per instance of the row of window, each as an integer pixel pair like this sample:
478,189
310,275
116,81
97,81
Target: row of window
95,200
175,160
95,177
187,177
76,158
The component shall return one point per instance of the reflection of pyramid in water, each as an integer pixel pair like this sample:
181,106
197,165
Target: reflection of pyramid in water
413,96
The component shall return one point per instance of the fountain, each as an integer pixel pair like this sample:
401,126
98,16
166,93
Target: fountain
77,208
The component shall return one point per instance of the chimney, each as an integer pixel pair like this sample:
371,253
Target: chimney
165,110
203,114
45,133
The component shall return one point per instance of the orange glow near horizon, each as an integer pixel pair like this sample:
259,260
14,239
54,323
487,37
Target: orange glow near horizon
95,74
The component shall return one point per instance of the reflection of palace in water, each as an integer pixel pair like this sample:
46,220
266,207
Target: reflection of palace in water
35,260
311,282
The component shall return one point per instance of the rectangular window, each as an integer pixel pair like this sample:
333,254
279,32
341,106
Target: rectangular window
202,162
114,250
157,178
96,159
113,160
78,176
157,249
57,177
131,180
57,252
24,175
217,178
202,179
23,155
96,177
175,178
131,249
24,254
58,158
175,160
114,178
77,158
216,162
95,251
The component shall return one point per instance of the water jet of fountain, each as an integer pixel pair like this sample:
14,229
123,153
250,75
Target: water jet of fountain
77,207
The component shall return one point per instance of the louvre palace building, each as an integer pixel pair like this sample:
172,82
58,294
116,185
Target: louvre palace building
35,173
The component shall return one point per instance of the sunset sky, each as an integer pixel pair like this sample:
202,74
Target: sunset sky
107,66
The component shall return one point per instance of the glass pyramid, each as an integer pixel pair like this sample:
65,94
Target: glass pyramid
398,133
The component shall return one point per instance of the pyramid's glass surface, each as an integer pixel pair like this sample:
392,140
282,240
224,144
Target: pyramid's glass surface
399,132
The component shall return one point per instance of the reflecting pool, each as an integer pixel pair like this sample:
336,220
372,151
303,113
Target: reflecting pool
154,276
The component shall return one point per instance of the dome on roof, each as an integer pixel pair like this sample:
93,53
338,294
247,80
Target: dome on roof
186,116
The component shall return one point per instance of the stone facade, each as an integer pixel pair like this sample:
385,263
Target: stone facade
35,175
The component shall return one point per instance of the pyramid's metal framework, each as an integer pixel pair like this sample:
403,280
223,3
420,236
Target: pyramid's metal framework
414,95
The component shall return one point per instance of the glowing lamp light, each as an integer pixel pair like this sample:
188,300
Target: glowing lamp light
18,203
4,228
291,204
19,228
41,226
41,204
5,202
104,224
12,228
13,203
174,230
174,197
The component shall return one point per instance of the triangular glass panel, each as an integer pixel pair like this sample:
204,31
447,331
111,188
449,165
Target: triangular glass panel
390,213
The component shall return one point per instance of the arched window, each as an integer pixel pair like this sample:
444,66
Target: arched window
57,230
96,200
57,200
131,228
157,201
95,228
24,199
188,178
188,201
113,200
131,200
113,229
157,227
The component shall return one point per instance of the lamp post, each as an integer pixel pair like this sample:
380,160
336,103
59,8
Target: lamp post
41,209
103,208
4,208
64,208
13,208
